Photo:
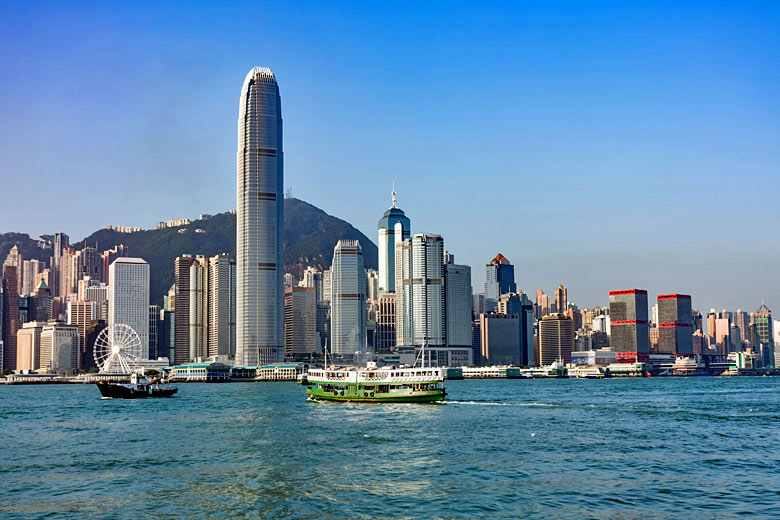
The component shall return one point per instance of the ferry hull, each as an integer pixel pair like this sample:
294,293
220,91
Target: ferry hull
416,397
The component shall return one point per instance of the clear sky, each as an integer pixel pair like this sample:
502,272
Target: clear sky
600,144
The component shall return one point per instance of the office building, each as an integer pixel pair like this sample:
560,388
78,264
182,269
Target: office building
394,227
60,347
312,278
181,273
199,308
300,322
420,299
722,336
348,300
764,337
520,305
675,324
499,339
82,314
457,289
742,320
499,279
630,334
11,322
385,322
128,297
260,215
372,284
107,258
28,346
556,339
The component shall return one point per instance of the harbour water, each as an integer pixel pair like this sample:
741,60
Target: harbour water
665,448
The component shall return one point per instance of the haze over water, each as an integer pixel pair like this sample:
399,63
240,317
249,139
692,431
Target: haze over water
620,448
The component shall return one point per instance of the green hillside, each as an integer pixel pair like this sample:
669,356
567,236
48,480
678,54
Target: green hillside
310,235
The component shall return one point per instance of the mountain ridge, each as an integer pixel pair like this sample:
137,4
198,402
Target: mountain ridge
310,234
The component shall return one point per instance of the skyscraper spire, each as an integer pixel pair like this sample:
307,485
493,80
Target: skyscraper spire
393,193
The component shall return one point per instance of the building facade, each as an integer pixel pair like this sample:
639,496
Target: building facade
394,227
629,325
499,279
675,324
348,300
457,288
300,321
128,297
556,339
260,215
420,299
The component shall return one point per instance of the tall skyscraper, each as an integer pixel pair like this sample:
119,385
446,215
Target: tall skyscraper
394,227
61,241
199,307
520,305
128,297
742,320
457,288
11,322
30,271
542,304
300,322
561,296
16,260
630,334
260,215
556,339
60,347
419,282
499,279
348,300
675,327
764,335
385,322
222,306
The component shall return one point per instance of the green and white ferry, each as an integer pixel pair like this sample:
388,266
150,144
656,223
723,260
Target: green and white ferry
388,384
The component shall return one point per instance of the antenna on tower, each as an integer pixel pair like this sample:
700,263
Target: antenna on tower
393,193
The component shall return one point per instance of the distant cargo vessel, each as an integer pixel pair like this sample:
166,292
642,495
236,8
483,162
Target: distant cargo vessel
376,385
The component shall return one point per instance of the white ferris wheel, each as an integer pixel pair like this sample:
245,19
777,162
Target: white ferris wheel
117,350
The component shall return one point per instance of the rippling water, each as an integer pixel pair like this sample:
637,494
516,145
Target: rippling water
620,448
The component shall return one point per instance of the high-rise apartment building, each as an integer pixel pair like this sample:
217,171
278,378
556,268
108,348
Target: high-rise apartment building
30,271
675,324
82,314
348,300
420,299
742,320
457,289
542,304
561,297
199,308
16,260
107,258
499,279
181,274
260,215
394,227
372,284
630,334
722,336
556,339
128,297
300,322
11,322
60,243
222,306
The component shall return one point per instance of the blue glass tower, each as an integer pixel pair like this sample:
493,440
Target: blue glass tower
499,279
394,227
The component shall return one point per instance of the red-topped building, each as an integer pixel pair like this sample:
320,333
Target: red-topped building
629,326
675,324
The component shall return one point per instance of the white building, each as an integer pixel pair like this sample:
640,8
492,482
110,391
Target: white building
128,297
259,262
419,284
348,300
60,347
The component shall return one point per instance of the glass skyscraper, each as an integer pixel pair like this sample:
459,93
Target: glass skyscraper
260,215
394,227
348,300
499,279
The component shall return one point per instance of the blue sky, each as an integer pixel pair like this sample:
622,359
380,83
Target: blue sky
599,144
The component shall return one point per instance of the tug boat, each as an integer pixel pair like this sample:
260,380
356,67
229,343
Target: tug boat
390,384
138,388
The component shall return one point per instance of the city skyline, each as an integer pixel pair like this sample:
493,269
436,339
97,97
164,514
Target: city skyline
611,133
